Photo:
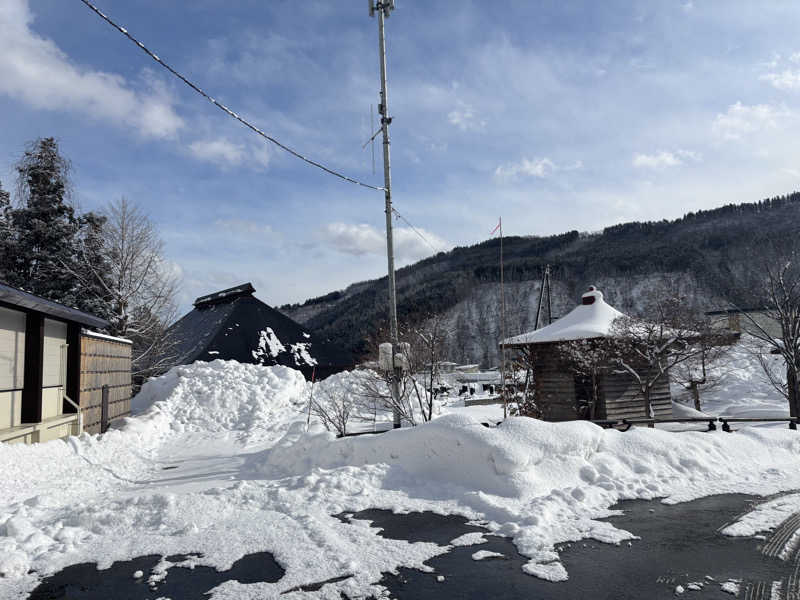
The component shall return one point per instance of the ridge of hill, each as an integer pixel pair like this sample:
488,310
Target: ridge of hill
703,254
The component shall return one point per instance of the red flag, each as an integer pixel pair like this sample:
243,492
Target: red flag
499,225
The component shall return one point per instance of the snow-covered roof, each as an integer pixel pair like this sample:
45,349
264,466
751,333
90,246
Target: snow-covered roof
590,319
103,336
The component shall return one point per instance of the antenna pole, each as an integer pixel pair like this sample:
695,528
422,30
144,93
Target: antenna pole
503,327
545,283
383,8
549,297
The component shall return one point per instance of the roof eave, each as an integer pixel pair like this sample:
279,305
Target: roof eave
16,297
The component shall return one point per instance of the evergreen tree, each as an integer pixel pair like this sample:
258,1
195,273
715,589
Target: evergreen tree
45,228
6,233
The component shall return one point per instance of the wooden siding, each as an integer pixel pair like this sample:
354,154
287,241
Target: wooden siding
622,398
104,362
619,395
555,389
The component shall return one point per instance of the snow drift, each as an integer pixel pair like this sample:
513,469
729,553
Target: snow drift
247,477
223,396
544,483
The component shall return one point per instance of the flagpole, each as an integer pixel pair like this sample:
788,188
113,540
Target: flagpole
503,328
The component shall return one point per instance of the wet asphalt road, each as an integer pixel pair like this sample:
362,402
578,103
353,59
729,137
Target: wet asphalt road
679,545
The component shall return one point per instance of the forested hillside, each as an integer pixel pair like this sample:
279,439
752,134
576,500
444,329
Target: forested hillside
706,255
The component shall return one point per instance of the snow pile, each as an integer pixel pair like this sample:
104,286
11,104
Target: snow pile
544,483
224,396
741,388
268,345
218,463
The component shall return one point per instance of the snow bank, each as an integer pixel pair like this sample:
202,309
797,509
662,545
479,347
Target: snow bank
242,475
742,389
544,483
223,396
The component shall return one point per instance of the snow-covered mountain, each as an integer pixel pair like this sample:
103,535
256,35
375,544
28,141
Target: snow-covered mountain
709,256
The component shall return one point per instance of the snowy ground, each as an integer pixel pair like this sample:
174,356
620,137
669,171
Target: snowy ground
220,464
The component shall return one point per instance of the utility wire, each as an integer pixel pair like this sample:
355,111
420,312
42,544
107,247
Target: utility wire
414,229
221,106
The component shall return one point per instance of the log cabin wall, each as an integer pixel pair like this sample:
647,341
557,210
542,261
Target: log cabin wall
619,394
622,398
104,361
554,385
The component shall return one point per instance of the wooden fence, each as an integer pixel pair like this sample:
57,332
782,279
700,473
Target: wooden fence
105,362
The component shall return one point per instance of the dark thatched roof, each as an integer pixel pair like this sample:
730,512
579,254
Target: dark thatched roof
234,325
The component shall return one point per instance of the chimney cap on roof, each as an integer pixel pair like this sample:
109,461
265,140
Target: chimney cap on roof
245,289
592,295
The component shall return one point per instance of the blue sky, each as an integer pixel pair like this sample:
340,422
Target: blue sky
556,115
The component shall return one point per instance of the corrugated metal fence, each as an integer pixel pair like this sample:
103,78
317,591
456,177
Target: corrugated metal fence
105,381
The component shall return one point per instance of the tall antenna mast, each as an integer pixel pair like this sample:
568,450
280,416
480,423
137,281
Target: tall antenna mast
503,326
383,8
545,284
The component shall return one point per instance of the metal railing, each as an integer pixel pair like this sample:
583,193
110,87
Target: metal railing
626,424
78,412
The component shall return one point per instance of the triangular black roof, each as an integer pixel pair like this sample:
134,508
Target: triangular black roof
234,325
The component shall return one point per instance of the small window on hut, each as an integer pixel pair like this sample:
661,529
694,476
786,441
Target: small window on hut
583,396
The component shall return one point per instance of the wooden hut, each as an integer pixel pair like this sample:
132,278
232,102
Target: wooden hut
57,377
563,395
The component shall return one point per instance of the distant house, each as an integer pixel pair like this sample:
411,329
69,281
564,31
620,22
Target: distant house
562,395
233,324
745,320
52,365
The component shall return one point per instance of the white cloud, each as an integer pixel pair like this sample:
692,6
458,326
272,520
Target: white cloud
35,71
363,239
664,158
785,80
247,228
226,154
540,168
465,118
740,120
793,172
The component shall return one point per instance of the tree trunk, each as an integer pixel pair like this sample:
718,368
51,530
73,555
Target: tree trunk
648,407
695,389
791,389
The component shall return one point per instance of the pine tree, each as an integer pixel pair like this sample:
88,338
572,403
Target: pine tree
45,226
6,233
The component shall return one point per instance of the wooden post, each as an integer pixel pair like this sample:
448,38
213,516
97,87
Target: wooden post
34,368
104,410
73,366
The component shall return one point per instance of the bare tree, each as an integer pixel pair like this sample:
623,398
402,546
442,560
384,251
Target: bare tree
521,389
423,348
589,359
428,347
647,349
780,276
375,395
123,261
702,370
334,408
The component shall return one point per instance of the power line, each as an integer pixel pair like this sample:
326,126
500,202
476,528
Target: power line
414,229
221,106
